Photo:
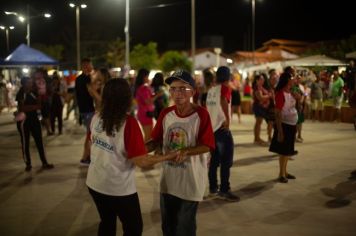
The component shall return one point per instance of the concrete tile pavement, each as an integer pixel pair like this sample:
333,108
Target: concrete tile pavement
321,201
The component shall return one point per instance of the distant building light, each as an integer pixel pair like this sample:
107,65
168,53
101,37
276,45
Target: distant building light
116,69
71,4
83,5
25,70
132,72
12,27
47,15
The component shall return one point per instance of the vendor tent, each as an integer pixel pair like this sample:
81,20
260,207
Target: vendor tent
24,55
316,60
351,55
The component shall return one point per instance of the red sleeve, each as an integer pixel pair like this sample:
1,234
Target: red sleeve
133,139
206,134
157,132
226,92
279,100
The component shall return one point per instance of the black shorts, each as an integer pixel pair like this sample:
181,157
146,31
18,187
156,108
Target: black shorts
235,98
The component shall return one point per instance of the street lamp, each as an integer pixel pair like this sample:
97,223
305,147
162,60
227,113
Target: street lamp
27,19
7,28
77,13
193,35
127,37
253,2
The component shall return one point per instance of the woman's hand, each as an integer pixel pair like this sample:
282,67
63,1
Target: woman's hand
280,137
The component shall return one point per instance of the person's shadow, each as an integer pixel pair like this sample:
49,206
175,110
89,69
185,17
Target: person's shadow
341,193
247,192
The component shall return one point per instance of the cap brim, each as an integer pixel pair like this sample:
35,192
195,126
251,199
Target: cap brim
170,79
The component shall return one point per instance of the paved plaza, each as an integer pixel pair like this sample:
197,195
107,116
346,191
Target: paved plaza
321,201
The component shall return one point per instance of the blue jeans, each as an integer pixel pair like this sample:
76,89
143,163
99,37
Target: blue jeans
222,156
178,216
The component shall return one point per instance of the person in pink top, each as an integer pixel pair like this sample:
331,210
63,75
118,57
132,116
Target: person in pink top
144,98
261,101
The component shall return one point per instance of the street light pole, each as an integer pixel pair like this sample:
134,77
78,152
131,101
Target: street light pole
77,17
28,26
7,28
253,30
127,37
27,19
193,35
77,14
7,39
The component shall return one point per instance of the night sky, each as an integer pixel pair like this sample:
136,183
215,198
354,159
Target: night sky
308,20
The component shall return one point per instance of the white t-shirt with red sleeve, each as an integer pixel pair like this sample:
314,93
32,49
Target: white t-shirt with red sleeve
110,171
213,104
185,180
285,102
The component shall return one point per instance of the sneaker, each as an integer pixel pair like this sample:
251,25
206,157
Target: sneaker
228,196
47,166
85,162
282,179
289,176
28,168
299,140
213,194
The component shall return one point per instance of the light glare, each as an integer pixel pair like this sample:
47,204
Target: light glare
22,19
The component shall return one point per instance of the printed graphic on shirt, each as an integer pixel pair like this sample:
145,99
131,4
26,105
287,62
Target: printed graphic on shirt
177,139
99,126
211,99
102,144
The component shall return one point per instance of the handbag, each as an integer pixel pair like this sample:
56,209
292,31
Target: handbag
150,114
19,116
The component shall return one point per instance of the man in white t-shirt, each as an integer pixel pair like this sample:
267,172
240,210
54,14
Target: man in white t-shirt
218,103
185,127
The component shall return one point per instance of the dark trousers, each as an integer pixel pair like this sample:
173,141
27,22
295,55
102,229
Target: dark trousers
222,156
31,126
178,216
57,112
127,208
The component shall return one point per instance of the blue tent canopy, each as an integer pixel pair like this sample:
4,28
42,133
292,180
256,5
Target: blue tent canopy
24,55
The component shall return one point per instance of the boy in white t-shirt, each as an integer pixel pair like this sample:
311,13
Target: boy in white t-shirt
218,103
185,127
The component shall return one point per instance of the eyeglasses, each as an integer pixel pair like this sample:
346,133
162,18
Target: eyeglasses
179,89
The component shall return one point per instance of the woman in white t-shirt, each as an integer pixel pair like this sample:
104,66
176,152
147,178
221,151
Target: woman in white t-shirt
117,147
285,125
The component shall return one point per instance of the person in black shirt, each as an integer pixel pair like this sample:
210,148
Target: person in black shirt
29,103
85,104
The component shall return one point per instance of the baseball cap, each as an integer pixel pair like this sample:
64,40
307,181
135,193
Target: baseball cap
223,74
183,76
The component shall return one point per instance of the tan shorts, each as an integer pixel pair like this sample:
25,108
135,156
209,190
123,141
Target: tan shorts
338,102
317,104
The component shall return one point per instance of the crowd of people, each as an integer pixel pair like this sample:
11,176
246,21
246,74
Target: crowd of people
170,121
